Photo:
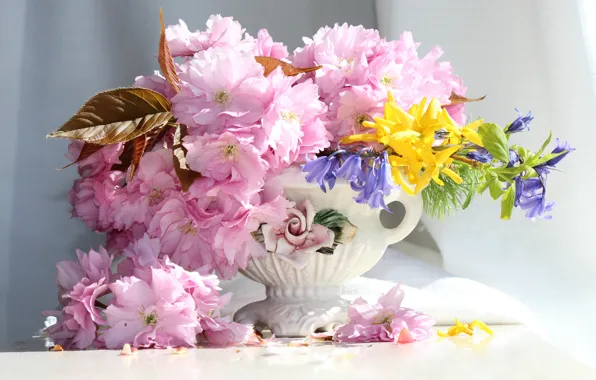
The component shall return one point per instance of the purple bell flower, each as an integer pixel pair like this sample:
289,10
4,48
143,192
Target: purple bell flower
521,123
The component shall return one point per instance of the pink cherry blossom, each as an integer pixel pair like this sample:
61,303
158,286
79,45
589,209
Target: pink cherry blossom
293,118
221,32
298,238
227,157
97,163
219,87
68,274
157,83
143,252
384,321
156,313
221,332
354,106
265,47
154,182
95,264
177,225
77,325
91,199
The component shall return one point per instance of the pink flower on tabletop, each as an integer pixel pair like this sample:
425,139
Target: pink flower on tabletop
91,199
155,313
265,47
219,87
157,83
203,288
95,264
384,321
77,326
97,163
221,332
298,238
226,157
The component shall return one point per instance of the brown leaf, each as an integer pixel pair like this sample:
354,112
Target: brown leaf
87,150
138,149
270,64
186,176
458,99
166,62
118,115
127,155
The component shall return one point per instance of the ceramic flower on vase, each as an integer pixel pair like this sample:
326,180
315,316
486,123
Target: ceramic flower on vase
240,157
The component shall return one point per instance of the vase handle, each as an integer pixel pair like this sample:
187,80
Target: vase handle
413,212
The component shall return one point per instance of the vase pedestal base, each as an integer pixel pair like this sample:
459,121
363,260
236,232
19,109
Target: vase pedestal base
294,316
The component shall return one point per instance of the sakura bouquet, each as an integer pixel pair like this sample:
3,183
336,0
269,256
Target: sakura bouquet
180,170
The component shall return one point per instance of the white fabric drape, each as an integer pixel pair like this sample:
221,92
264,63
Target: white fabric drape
536,55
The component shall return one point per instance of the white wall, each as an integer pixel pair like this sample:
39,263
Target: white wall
60,53
532,55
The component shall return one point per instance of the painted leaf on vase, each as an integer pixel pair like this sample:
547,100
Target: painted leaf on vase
270,64
339,224
186,176
117,116
166,62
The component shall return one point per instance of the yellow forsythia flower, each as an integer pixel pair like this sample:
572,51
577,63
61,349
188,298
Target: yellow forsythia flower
466,328
415,154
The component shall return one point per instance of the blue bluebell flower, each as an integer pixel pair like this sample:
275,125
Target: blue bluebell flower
530,196
521,123
480,155
544,168
321,170
514,158
377,183
351,169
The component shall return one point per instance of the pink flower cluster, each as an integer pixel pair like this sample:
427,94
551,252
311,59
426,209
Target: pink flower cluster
359,68
158,304
243,129
385,321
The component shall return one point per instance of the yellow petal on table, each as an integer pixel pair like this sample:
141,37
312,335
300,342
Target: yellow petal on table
481,326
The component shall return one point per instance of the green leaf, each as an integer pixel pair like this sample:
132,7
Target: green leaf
482,188
441,201
507,202
495,187
336,222
524,154
545,144
495,141
546,158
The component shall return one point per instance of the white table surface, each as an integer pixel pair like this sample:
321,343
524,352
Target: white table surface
513,353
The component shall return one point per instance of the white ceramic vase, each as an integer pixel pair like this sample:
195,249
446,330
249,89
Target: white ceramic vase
305,298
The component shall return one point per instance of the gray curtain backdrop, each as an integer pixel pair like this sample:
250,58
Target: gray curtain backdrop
55,55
